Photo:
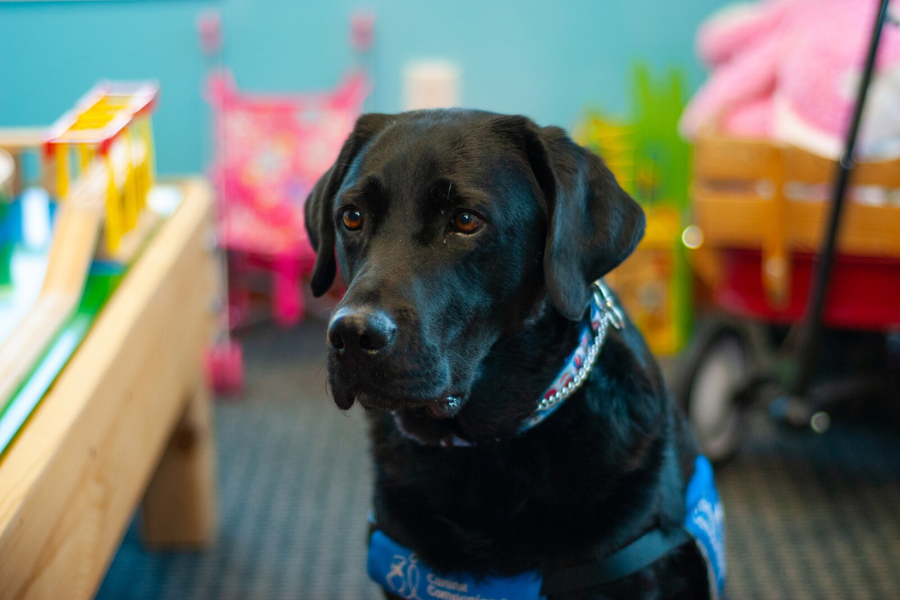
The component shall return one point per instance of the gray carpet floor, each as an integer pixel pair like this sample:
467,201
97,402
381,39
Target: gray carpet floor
808,516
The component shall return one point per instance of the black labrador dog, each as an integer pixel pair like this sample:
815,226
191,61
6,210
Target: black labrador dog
470,243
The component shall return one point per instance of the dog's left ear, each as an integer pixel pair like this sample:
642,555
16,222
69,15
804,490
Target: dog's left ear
319,206
593,225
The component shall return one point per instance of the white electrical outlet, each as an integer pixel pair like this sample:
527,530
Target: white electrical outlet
431,84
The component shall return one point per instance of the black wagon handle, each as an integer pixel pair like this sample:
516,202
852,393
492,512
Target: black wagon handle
808,353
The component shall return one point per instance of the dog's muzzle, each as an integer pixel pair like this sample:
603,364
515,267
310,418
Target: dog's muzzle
372,365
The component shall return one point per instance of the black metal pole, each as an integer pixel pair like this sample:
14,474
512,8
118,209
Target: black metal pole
808,351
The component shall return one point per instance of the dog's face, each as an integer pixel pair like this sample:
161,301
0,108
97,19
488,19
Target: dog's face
452,230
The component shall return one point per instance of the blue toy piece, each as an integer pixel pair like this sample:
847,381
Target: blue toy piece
10,232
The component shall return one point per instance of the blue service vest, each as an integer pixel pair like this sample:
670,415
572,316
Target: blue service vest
398,570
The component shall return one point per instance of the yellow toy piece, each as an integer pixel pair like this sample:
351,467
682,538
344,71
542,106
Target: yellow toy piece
114,219
62,170
112,119
614,141
646,282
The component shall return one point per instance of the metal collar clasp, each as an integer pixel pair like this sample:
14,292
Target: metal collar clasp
605,299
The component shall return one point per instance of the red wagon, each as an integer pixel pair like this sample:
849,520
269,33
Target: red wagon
760,210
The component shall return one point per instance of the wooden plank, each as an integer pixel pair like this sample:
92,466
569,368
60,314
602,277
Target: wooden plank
805,167
16,139
71,481
884,174
865,231
732,209
726,158
68,560
720,157
179,508
739,221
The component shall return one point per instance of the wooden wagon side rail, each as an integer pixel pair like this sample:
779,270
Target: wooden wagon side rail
741,221
742,199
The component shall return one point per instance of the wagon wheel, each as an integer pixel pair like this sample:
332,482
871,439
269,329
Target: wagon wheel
717,367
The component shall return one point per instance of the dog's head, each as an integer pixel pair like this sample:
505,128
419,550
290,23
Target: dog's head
454,229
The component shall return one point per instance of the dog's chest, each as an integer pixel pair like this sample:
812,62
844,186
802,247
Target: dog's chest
506,510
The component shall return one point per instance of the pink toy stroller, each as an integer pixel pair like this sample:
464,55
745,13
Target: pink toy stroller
269,152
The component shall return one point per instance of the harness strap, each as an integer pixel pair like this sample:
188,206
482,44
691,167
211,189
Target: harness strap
641,553
672,484
634,557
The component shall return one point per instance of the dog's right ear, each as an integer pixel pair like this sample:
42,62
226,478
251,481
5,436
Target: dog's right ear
319,205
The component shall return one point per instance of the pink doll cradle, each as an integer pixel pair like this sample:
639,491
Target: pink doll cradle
269,152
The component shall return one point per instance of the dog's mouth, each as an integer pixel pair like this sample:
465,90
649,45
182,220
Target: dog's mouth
442,406
446,407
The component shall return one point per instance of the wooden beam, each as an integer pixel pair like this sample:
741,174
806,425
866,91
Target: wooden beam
17,139
179,508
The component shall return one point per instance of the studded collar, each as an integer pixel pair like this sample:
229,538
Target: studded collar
602,313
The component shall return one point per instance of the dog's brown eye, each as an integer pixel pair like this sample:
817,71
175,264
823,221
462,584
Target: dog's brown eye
352,218
466,222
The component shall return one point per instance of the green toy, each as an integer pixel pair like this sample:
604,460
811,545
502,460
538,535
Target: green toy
7,175
6,251
653,164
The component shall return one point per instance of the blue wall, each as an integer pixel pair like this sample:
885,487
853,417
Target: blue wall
543,59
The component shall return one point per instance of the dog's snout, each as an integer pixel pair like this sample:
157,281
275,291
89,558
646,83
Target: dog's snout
363,329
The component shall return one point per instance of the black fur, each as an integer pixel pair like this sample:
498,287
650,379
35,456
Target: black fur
489,319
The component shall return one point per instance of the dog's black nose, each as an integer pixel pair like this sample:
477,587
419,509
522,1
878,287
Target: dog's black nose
361,329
